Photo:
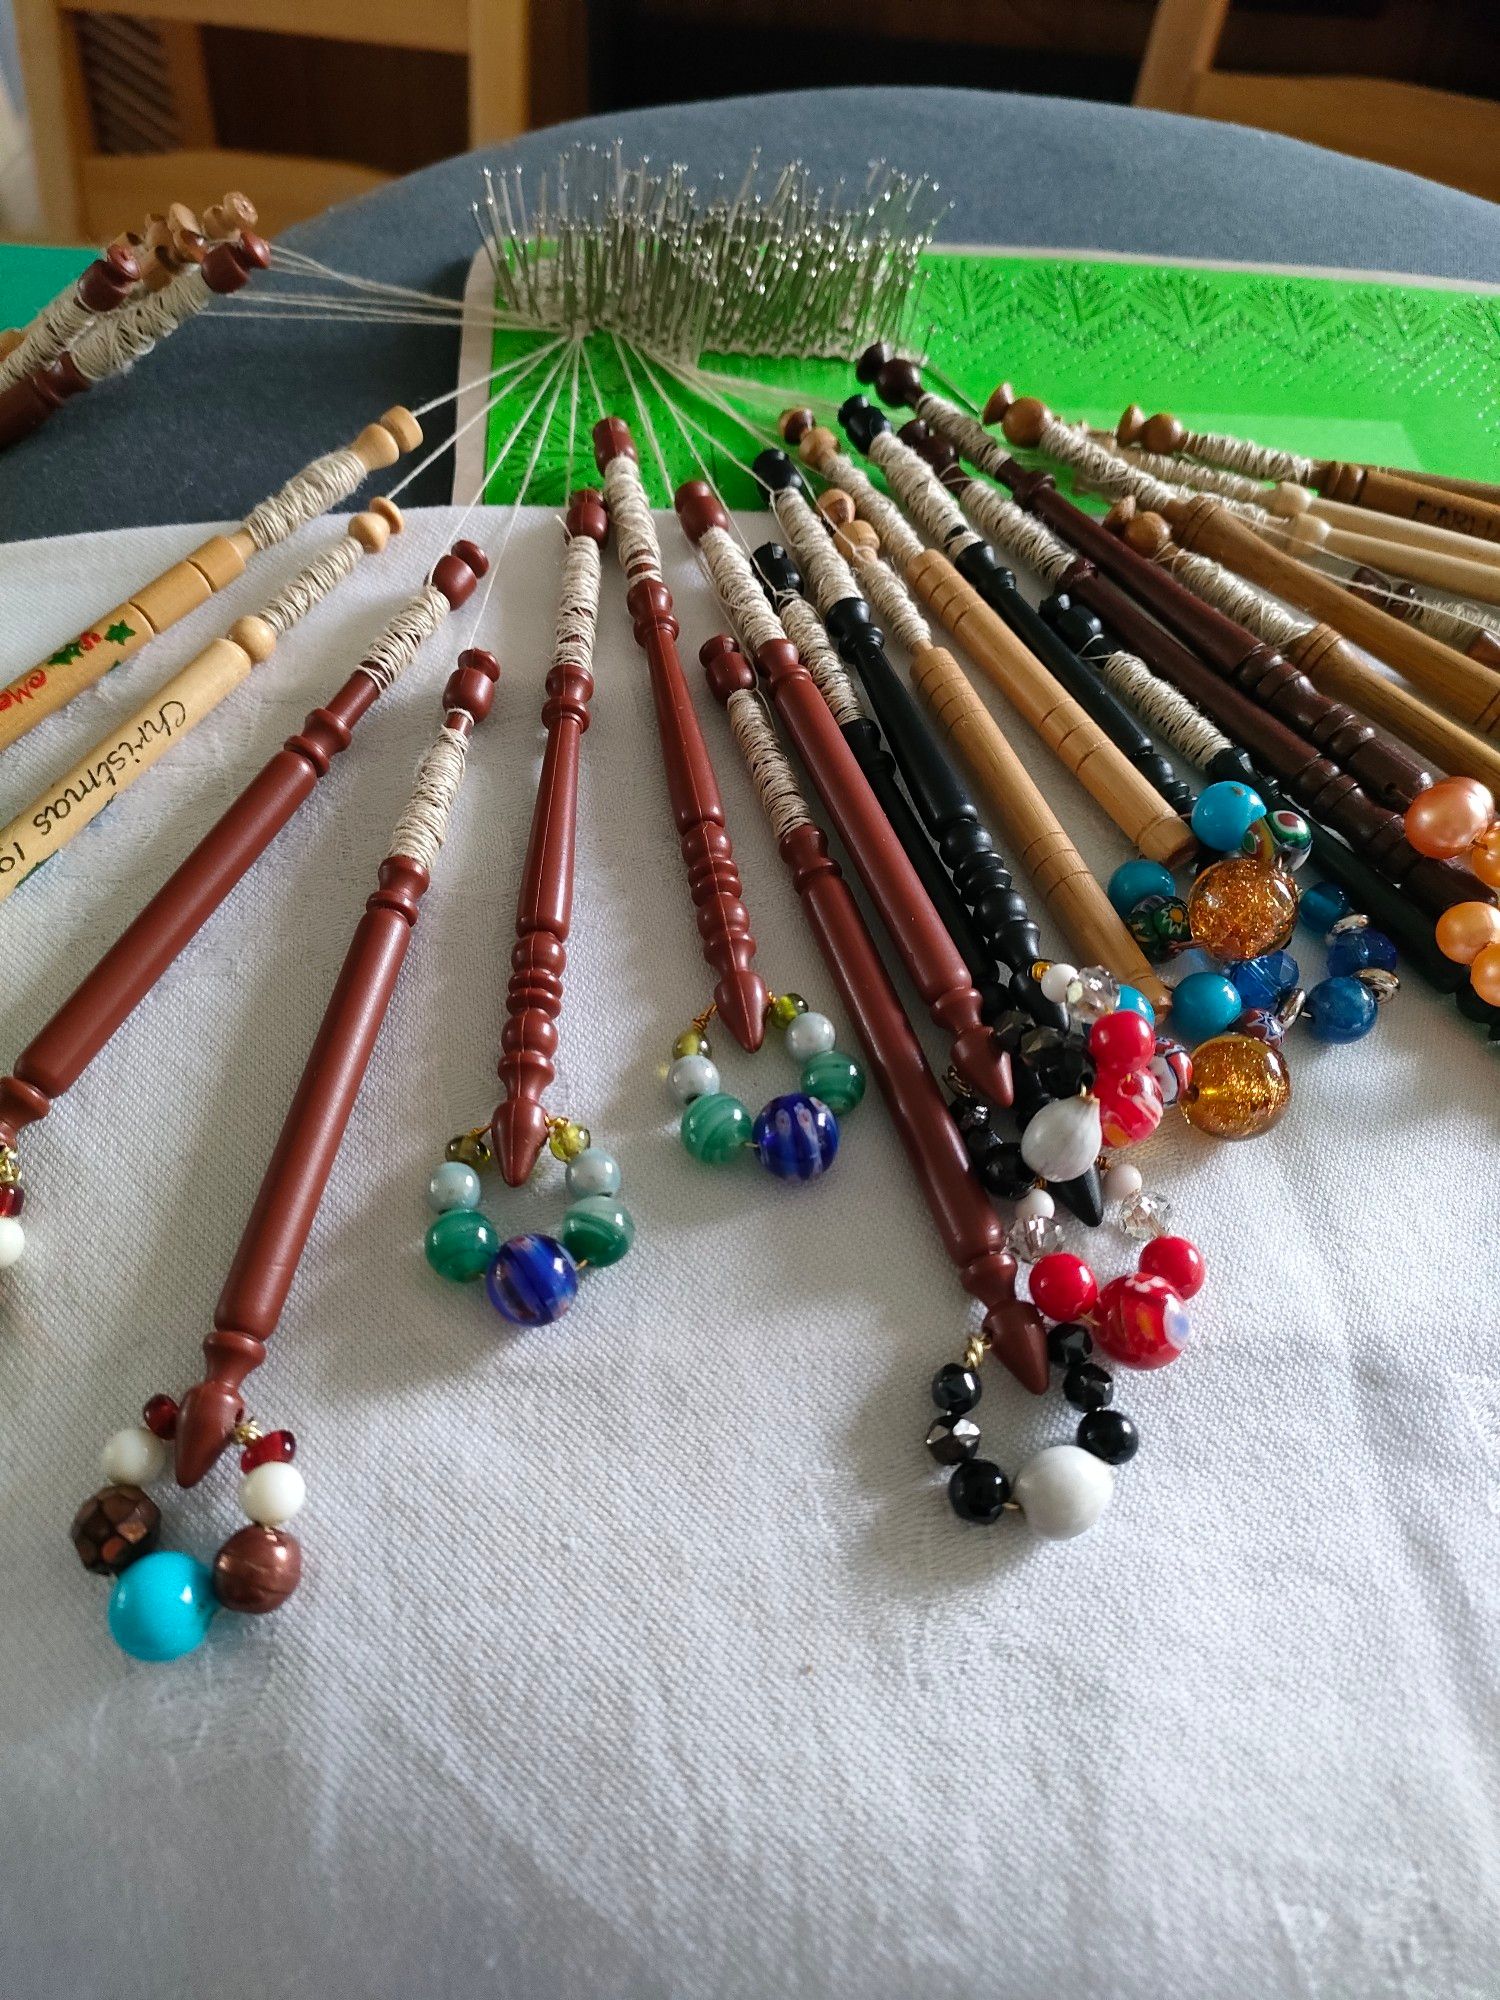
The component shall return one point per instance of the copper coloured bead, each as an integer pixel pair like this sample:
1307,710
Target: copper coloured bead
257,1569
114,1528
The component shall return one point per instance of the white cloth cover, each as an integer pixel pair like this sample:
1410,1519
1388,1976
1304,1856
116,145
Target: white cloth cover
641,1656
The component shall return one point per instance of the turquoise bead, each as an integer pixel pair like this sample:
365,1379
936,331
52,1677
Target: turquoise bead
714,1129
1133,1001
598,1230
1134,880
1204,1004
838,1080
462,1244
1322,905
1224,813
162,1606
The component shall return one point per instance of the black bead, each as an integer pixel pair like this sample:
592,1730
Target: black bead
972,1115
953,1438
1003,1172
1087,1386
978,1490
1110,1435
1068,1343
955,1388
1011,1028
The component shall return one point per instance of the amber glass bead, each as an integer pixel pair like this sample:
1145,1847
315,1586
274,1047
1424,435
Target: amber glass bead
1239,908
785,1008
473,1149
691,1042
569,1140
1240,1087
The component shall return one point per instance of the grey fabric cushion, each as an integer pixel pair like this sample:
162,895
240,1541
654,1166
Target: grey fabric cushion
205,428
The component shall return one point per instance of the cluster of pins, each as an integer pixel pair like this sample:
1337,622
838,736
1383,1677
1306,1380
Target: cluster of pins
791,269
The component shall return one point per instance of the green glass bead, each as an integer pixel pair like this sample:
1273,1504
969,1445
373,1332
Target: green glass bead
835,1078
715,1128
785,1008
462,1244
597,1230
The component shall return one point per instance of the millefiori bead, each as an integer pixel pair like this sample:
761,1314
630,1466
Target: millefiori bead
1130,1107
796,1137
1141,1321
1172,1067
532,1281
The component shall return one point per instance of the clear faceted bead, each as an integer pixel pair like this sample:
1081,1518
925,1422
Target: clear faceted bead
1034,1236
1145,1215
1092,993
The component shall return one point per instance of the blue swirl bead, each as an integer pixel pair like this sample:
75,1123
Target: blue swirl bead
1262,981
1206,1003
1322,905
1224,813
1133,1001
1338,1010
796,1137
162,1606
1132,881
1352,951
532,1280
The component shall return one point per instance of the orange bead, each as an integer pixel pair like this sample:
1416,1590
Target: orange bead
1484,974
1448,817
1466,929
1484,857
1239,908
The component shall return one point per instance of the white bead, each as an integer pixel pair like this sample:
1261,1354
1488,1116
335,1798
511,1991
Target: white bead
12,1241
593,1172
272,1493
809,1035
1062,1141
1122,1181
454,1185
133,1457
1056,980
1038,1202
693,1076
1063,1491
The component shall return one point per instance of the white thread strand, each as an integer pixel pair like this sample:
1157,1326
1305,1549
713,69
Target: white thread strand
826,576
893,602
397,644
1182,472
1245,602
922,493
964,432
312,584
578,603
423,825
114,341
630,516
739,591
897,537
1258,461
308,493
1165,712
1017,533
818,656
54,329
766,761
1456,624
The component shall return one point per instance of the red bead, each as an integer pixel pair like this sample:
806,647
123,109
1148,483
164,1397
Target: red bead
275,1448
12,1199
1122,1040
1063,1286
1141,1321
160,1417
1176,1260
1130,1106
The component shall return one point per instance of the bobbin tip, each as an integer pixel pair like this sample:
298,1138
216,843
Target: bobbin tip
1163,433
1018,1340
612,439
588,515
699,508
1132,420
725,667
836,507
776,570
403,427
205,1426
874,358
899,382
1023,422
793,426
472,554
775,470
997,403
389,512
371,530
862,422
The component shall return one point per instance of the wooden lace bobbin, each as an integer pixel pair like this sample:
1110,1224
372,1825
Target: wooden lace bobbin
149,611
114,764
275,1237
1364,486
1081,746
1443,569
1332,664
703,835
544,903
110,993
931,958
1461,626
1381,767
1479,489
972,1233
104,285
114,339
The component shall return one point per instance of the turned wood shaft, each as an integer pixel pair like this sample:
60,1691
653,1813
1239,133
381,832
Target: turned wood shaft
1393,493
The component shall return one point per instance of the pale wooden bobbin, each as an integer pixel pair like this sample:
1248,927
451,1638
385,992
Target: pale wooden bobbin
1333,665
1305,534
167,598
1289,502
46,826
1135,806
